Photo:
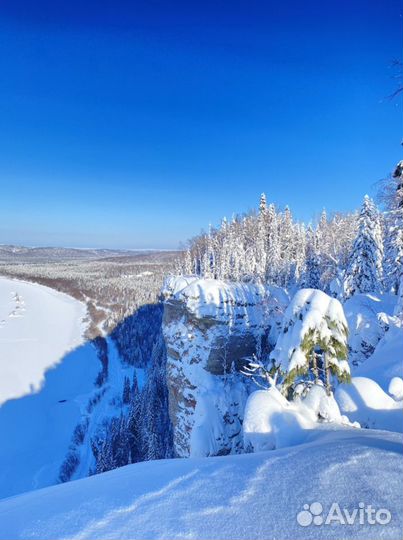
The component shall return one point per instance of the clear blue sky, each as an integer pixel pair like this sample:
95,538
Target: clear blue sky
135,124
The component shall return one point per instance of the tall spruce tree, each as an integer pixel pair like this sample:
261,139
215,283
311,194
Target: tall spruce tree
312,274
260,254
364,273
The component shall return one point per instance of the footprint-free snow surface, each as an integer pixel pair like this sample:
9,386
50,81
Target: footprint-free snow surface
249,496
37,326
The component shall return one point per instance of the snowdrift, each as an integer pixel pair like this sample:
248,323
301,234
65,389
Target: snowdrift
365,402
271,421
250,496
387,360
368,317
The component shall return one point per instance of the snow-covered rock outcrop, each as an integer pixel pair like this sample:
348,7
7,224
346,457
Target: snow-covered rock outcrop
209,327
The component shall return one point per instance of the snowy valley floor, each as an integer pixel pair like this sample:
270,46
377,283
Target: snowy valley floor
234,497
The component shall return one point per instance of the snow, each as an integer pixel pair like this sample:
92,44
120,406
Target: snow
270,421
368,317
217,299
45,364
232,497
396,388
37,428
108,406
52,385
309,309
365,402
174,284
37,326
387,360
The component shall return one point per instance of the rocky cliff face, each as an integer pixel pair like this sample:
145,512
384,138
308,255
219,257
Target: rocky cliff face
210,327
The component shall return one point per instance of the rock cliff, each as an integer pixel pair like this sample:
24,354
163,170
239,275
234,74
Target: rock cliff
210,327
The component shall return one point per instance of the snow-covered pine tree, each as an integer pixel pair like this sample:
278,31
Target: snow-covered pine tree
187,263
126,391
273,247
391,277
399,264
398,195
312,275
236,250
364,273
208,258
392,195
260,254
300,250
287,247
314,324
398,239
336,248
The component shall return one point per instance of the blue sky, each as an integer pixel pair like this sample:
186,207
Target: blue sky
135,124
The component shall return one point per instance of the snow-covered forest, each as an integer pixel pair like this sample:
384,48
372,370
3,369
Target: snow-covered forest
340,254
112,286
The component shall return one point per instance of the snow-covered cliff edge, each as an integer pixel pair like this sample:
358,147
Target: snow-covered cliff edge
210,327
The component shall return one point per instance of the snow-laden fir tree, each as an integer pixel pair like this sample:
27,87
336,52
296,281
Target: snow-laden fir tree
188,263
287,247
312,275
273,245
391,195
397,206
364,273
269,246
399,264
261,240
313,340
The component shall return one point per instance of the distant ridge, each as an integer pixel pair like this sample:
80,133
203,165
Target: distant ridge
19,254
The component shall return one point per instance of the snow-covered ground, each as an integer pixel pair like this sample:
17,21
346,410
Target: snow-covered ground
365,402
240,496
37,429
37,326
44,364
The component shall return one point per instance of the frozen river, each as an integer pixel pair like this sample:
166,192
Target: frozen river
37,327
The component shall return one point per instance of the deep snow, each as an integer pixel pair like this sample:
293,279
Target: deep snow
271,421
365,402
238,496
37,429
37,326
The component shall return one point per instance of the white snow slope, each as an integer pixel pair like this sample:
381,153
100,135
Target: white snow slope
37,326
234,497
36,429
